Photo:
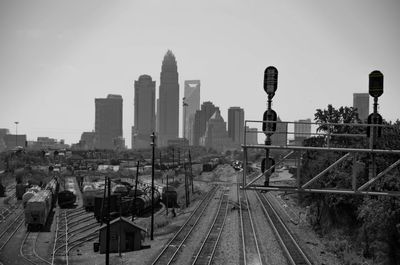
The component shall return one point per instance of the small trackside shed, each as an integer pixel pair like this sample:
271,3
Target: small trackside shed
132,236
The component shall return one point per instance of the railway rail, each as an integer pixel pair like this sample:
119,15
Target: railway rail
10,230
294,254
72,224
28,249
206,252
171,249
250,247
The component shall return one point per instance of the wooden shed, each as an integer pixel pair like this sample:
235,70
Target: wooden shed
132,236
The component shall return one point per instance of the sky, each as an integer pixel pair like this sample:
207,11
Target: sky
56,57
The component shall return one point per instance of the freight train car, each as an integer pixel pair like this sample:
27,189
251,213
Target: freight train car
89,192
143,203
66,199
20,189
2,190
37,209
100,206
29,194
53,186
211,165
170,197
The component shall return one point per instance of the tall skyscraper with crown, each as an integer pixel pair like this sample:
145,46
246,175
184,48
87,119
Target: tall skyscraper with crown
168,112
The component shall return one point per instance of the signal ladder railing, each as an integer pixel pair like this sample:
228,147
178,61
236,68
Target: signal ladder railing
349,153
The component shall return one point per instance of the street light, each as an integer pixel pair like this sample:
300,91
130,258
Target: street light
16,133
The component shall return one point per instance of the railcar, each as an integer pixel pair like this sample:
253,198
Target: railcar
100,206
143,203
38,208
89,192
211,165
53,186
20,189
2,190
29,194
170,197
66,199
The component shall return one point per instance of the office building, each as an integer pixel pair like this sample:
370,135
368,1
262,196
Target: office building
236,125
108,121
302,131
201,117
87,140
251,136
280,136
216,136
191,103
144,115
361,103
12,141
168,111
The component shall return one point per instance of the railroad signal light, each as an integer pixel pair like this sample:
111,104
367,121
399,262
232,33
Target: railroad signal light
269,127
270,80
271,163
374,118
375,84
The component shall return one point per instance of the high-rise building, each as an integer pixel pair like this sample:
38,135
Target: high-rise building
108,121
280,135
361,103
88,140
302,131
236,125
251,135
216,136
144,115
168,112
191,103
200,120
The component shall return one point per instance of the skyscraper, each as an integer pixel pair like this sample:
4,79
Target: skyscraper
280,135
200,120
144,116
361,102
302,131
215,135
191,104
108,121
236,124
168,112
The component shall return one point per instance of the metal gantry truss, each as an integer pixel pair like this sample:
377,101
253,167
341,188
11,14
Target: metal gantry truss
349,153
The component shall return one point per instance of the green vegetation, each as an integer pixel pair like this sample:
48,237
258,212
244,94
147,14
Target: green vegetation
369,225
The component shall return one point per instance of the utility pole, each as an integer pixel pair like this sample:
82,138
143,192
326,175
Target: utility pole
108,221
16,133
152,186
191,172
136,184
173,162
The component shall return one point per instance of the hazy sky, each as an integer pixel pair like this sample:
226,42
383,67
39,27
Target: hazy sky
56,57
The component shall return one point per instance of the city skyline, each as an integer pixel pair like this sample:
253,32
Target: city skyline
52,68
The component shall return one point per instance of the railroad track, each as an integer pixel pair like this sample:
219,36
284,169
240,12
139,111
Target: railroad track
28,249
61,238
206,252
250,248
10,230
66,229
171,249
294,254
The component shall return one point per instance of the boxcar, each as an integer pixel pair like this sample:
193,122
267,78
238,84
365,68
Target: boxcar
38,209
